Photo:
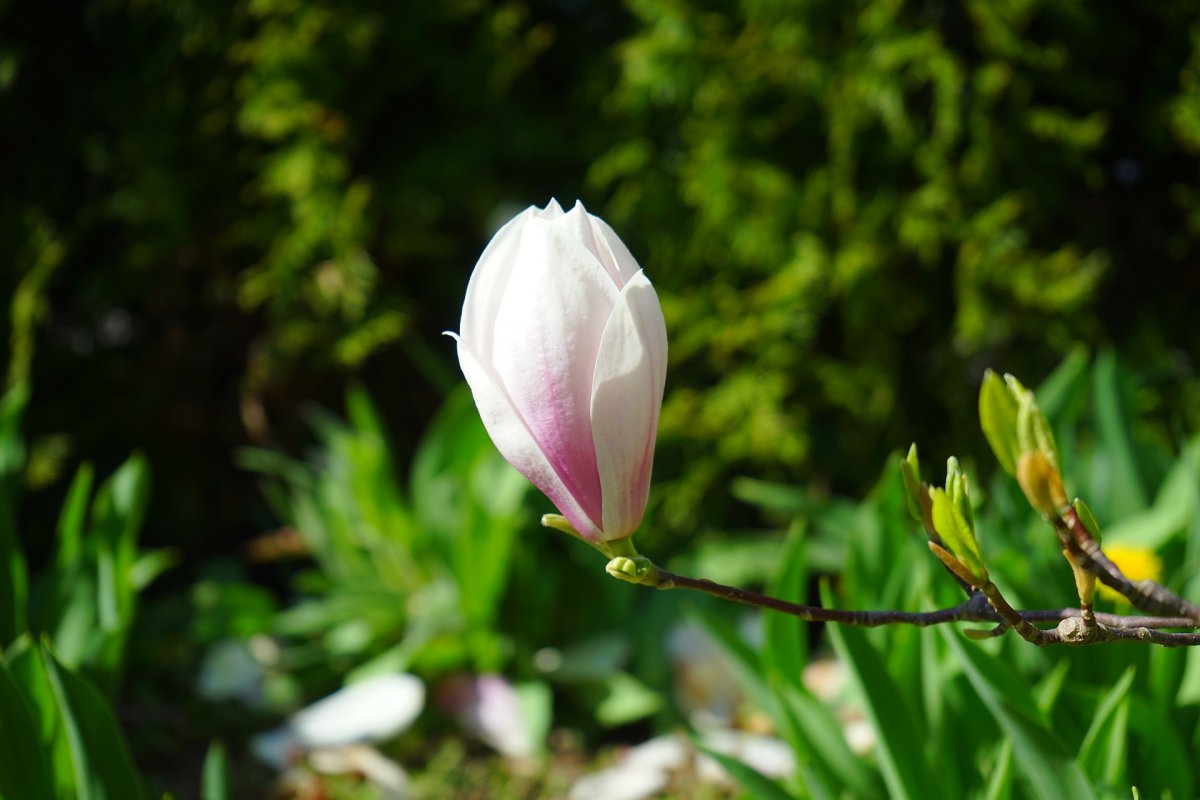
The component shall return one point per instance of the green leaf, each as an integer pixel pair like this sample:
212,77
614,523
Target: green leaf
1173,507
1056,392
1042,761
1124,491
781,498
948,521
1165,757
25,663
100,762
536,701
1000,782
215,778
14,575
628,700
998,418
24,771
751,780
785,645
1086,517
1103,751
815,734
901,756
72,519
910,471
958,490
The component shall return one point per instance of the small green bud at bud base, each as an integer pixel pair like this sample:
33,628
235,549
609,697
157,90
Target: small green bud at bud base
630,570
910,471
1085,516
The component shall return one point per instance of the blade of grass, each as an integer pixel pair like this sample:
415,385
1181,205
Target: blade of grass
215,778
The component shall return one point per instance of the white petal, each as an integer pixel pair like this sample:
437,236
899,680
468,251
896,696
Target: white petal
626,400
766,754
619,783
614,251
371,710
668,753
514,440
488,279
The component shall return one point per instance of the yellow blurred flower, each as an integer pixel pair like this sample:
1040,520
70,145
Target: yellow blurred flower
1138,563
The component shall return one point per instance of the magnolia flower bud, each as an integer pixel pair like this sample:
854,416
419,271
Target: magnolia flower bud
563,343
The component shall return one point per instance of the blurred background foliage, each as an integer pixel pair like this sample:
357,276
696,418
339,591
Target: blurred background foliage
220,216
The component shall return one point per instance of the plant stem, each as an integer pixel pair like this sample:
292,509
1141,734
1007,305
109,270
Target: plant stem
987,605
1146,595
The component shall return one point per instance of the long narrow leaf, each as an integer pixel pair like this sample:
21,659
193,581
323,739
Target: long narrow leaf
1124,492
901,755
1041,759
1103,748
14,576
24,771
103,770
215,779
785,649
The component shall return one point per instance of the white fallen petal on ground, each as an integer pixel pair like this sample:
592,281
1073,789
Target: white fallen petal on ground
369,711
383,773
494,715
619,783
663,753
766,754
646,770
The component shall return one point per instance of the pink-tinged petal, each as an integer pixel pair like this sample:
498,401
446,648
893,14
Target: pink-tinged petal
548,331
515,442
626,400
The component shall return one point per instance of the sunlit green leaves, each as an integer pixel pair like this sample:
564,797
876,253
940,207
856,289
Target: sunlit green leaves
910,471
954,519
72,724
998,418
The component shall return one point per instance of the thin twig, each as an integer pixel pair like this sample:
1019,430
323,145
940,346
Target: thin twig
1147,595
987,605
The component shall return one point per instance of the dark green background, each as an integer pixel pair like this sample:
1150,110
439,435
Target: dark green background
215,214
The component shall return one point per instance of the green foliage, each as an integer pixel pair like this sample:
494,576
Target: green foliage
61,737
998,417
216,211
844,200
993,718
405,578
